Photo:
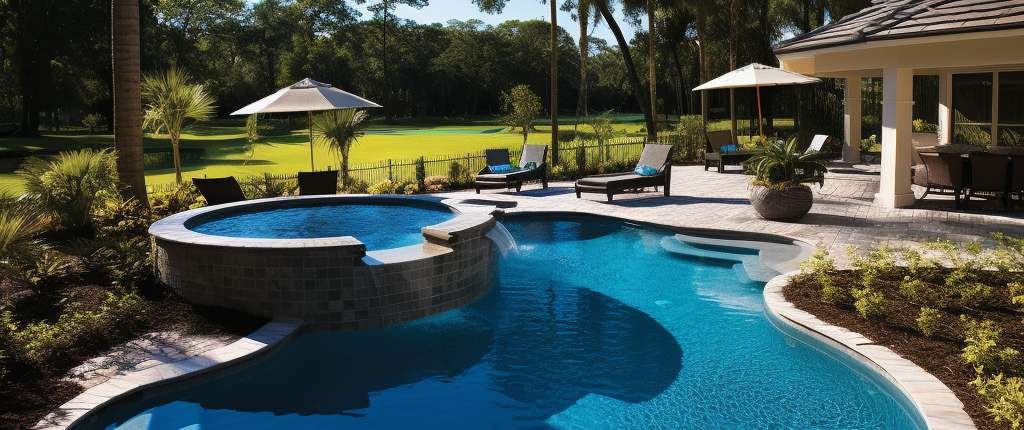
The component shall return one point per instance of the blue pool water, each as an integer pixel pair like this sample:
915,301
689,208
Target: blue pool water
590,324
379,226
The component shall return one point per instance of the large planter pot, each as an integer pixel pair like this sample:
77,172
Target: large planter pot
789,204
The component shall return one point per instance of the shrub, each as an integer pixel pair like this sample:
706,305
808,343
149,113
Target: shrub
76,327
878,263
916,264
129,261
912,288
820,264
982,349
386,186
974,294
433,184
53,268
8,342
69,185
411,188
928,321
831,293
559,171
1004,398
20,226
121,216
92,122
355,186
459,174
1016,293
869,303
266,186
180,197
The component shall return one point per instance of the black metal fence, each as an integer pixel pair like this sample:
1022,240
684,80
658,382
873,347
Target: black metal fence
576,158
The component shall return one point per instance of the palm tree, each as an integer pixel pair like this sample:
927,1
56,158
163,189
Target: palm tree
339,130
554,82
652,59
127,102
173,103
583,9
604,8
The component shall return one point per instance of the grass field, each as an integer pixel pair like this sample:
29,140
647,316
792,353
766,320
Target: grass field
226,147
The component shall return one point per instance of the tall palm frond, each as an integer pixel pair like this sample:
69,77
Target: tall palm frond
338,130
68,185
20,227
172,102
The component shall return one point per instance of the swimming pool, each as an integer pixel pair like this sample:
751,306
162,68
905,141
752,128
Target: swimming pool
590,323
376,224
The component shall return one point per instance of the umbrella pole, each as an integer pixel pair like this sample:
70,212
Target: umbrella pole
310,123
760,121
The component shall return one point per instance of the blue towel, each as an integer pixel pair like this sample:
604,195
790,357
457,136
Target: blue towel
500,168
645,170
728,148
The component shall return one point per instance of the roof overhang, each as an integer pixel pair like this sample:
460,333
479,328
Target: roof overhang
946,51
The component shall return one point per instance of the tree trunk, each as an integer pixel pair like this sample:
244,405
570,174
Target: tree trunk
702,67
554,82
634,78
176,152
583,12
127,99
652,77
676,64
733,41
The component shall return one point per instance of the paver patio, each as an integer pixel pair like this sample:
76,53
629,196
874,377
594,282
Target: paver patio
843,212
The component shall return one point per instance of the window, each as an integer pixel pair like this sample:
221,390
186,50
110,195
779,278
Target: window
1011,109
972,109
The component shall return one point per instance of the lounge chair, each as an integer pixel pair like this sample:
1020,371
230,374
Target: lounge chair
313,183
219,190
656,156
823,145
716,155
532,166
942,174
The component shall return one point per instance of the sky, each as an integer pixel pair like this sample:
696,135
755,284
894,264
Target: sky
444,10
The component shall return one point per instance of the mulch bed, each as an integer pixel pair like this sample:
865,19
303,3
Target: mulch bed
940,354
28,394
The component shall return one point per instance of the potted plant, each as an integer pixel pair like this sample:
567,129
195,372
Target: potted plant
780,172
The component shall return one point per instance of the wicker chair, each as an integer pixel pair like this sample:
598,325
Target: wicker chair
943,175
713,155
989,175
219,190
314,183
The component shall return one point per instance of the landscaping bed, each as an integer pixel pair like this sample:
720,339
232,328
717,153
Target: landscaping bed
961,321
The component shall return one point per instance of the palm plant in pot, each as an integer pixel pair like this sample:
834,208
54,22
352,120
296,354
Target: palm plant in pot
778,191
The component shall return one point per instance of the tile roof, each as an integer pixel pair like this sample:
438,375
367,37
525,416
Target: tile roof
900,19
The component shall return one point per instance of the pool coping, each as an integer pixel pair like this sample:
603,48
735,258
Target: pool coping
935,402
85,404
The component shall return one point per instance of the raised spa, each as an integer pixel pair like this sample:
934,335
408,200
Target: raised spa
339,262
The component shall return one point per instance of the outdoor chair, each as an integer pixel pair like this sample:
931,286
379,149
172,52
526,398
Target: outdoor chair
824,146
988,175
219,190
532,166
313,183
943,175
654,156
1017,176
722,149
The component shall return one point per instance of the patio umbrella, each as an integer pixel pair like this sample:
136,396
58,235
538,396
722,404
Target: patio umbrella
307,96
757,76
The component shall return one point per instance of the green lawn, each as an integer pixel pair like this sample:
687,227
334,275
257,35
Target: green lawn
226,155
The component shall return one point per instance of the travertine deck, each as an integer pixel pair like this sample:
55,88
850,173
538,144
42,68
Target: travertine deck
843,212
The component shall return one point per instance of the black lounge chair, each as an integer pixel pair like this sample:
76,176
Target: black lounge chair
714,156
313,183
657,156
538,170
219,190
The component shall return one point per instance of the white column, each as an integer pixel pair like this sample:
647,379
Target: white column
897,103
945,108
851,120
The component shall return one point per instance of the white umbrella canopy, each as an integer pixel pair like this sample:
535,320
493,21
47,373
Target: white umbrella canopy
307,96
757,76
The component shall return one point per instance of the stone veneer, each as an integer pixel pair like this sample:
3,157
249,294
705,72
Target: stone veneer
330,283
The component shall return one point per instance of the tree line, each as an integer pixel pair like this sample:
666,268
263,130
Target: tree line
55,54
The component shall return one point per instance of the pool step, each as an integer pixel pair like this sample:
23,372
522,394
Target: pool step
758,261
